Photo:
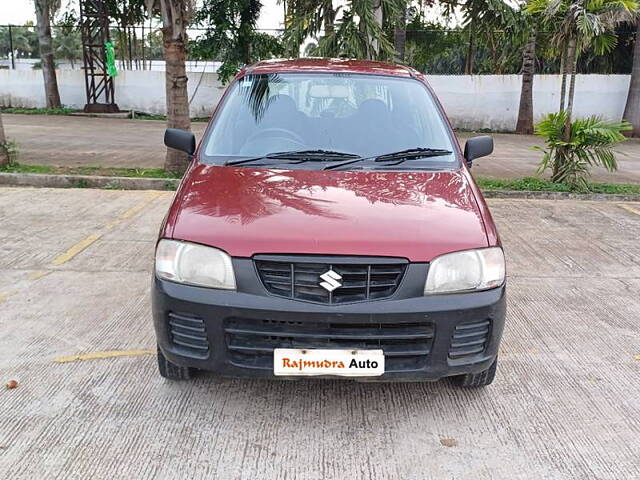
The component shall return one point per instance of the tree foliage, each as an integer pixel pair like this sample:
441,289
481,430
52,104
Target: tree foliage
577,25
589,22
45,11
231,35
176,16
67,41
24,39
590,144
350,32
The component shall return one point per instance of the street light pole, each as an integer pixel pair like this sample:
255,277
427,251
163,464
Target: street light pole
13,61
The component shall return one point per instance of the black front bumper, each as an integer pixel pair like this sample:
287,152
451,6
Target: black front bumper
234,332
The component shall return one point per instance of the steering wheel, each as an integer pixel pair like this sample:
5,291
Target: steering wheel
277,133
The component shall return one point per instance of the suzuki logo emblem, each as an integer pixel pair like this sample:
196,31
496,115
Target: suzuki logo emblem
331,280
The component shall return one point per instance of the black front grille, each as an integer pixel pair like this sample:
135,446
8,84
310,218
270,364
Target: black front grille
251,341
189,334
360,282
469,338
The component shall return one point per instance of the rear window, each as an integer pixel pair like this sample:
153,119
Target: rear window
360,114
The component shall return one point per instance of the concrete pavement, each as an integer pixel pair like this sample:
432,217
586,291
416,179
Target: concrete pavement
74,280
88,141
106,142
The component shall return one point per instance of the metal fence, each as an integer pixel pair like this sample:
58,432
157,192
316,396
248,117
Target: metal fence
437,51
137,47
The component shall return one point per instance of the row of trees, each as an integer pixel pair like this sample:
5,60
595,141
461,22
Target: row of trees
377,29
566,30
495,33
136,47
429,47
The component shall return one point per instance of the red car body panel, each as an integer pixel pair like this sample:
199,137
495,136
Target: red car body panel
247,211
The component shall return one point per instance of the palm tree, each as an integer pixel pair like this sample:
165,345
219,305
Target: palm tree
4,151
249,11
490,22
44,11
577,25
524,125
356,30
632,108
19,41
328,16
590,143
378,19
229,35
176,15
496,23
68,45
400,34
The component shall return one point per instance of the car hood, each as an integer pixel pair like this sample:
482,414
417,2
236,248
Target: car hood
246,211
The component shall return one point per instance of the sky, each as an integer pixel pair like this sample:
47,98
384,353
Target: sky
17,12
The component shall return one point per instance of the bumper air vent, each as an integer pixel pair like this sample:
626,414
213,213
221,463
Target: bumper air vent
189,334
469,339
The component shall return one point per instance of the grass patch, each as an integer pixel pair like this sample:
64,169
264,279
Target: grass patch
533,184
104,171
69,111
148,116
156,116
483,131
39,111
527,184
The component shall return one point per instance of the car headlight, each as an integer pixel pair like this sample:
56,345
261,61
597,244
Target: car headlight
194,264
465,271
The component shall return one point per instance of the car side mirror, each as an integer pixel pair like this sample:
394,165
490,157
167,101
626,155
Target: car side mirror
477,147
182,140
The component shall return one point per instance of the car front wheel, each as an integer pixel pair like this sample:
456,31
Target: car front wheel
172,371
480,379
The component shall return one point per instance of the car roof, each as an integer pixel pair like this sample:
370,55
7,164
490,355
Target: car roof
338,65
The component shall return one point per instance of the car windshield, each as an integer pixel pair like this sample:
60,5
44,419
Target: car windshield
324,118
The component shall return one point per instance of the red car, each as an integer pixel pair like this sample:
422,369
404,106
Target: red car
328,226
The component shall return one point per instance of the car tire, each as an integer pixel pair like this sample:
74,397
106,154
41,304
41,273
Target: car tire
480,379
172,371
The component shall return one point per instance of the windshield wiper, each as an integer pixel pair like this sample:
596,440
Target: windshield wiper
299,155
400,156
412,153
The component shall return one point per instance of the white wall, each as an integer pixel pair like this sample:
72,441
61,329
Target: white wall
156,65
140,90
472,102
491,101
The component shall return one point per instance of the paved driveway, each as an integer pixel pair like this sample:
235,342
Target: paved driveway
74,279
88,141
107,142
